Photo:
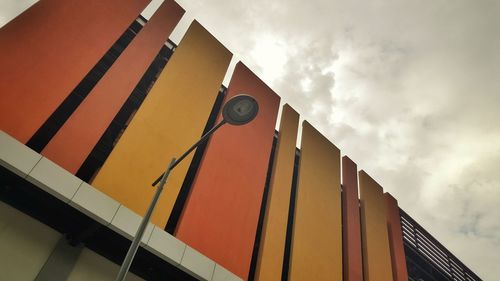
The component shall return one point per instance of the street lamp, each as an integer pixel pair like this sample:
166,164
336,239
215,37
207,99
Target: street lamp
237,111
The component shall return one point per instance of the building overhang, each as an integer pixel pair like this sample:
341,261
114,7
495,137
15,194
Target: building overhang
40,188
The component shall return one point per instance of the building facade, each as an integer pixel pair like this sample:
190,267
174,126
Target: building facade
96,100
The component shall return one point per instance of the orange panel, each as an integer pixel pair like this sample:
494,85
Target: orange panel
221,215
46,52
75,140
316,252
272,246
353,261
376,252
398,257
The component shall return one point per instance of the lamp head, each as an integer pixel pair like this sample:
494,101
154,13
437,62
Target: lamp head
240,110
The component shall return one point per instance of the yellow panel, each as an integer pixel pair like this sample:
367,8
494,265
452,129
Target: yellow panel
170,120
272,245
376,252
317,230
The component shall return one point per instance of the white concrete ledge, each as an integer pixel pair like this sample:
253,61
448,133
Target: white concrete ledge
48,176
95,204
54,180
197,264
166,246
17,157
222,274
127,222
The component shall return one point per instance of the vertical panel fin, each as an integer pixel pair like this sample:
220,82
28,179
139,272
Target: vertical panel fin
398,257
353,261
376,252
171,118
317,232
272,246
226,195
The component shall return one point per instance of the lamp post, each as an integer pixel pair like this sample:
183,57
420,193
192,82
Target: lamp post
238,110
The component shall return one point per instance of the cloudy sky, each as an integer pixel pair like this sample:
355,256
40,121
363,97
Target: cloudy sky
410,90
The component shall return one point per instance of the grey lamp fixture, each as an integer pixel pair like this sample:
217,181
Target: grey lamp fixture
239,110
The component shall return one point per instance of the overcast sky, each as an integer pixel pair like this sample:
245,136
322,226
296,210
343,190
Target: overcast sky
410,90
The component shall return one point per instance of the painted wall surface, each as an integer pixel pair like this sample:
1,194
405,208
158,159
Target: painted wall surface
25,244
398,257
91,266
353,260
317,229
376,252
171,118
272,244
47,50
226,195
75,140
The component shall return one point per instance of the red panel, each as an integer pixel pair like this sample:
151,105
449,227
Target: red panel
221,215
398,257
75,140
48,49
353,260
